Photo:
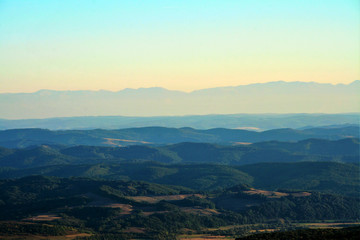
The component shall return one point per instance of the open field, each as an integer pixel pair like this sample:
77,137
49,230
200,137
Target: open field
116,142
155,199
273,194
203,237
43,217
329,225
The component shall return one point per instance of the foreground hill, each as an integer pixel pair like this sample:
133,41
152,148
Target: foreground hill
343,150
309,234
137,210
20,138
328,177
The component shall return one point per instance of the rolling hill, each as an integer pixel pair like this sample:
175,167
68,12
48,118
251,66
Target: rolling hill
328,177
344,150
20,138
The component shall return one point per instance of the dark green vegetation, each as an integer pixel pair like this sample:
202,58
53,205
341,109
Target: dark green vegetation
163,191
15,229
329,177
344,150
352,233
201,177
120,209
270,165
160,135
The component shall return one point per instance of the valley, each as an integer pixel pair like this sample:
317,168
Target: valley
52,187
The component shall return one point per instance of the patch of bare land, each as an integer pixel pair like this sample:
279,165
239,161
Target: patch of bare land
192,210
330,225
300,194
249,128
43,217
117,142
242,143
155,199
125,208
273,194
200,211
268,230
75,235
203,237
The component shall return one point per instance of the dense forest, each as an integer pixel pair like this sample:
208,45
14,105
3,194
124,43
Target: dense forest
20,138
344,150
344,177
309,234
160,211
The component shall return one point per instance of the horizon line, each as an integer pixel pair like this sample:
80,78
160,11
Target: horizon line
186,115
176,90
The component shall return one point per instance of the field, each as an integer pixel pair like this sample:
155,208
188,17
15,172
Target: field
156,199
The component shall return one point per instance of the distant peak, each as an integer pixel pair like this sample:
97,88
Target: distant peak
356,82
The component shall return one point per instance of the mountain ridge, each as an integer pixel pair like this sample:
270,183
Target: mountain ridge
316,150
20,138
45,90
277,97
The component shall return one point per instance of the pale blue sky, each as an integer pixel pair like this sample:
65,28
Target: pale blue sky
184,45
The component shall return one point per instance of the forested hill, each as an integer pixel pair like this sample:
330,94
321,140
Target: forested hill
103,207
329,177
344,150
19,138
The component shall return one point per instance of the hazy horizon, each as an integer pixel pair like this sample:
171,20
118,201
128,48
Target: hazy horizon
178,90
275,97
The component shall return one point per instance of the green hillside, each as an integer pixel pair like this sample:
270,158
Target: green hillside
20,138
309,234
317,176
344,150
339,178
112,209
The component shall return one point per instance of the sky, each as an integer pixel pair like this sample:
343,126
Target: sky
179,45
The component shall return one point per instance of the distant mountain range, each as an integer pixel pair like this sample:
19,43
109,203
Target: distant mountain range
273,97
153,136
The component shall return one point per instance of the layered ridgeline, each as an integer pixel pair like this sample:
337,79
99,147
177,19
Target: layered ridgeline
313,164
273,97
344,150
327,177
19,138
